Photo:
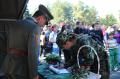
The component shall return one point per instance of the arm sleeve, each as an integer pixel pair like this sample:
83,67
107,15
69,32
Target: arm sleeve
33,49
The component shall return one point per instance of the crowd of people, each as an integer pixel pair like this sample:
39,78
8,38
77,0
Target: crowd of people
108,38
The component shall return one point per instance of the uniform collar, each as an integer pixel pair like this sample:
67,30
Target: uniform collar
34,19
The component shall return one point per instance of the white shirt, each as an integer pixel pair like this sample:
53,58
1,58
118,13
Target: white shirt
52,38
112,43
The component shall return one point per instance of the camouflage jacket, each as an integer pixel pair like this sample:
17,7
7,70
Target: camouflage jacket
86,56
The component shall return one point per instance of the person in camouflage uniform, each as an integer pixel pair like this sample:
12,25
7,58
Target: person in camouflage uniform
73,42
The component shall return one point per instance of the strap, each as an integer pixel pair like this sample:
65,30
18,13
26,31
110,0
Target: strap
17,52
94,53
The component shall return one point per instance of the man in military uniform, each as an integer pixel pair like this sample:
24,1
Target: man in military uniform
73,42
23,44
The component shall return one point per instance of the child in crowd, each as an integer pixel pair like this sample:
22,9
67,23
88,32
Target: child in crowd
113,51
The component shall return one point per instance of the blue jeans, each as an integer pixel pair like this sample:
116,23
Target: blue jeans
55,51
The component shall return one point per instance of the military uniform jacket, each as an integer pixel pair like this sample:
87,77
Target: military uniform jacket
23,35
90,57
85,53
87,57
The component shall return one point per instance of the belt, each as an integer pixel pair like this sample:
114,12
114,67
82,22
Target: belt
17,52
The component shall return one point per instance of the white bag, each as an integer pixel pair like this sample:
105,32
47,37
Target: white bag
91,75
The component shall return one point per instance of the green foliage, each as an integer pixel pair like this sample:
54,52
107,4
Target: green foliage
64,11
84,13
108,20
61,11
78,10
90,15
68,12
52,58
26,14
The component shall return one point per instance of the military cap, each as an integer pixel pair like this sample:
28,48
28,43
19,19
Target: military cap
43,11
46,13
63,38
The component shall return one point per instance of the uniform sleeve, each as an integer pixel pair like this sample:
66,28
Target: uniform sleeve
33,49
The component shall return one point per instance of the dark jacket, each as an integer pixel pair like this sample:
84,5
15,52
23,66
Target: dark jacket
86,57
97,35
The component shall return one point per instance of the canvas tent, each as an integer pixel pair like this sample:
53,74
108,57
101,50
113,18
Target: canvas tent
12,9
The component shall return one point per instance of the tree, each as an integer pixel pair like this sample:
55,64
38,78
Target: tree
66,12
108,20
84,13
78,11
90,15
62,11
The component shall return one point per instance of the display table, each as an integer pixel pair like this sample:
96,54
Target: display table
45,73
